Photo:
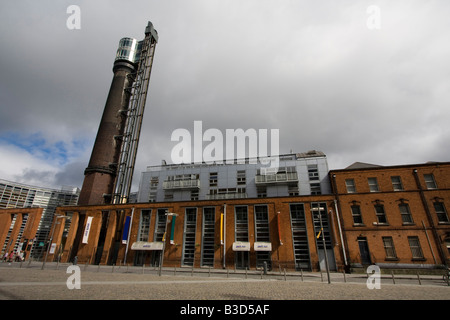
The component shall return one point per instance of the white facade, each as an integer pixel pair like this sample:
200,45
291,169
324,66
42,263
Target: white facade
298,174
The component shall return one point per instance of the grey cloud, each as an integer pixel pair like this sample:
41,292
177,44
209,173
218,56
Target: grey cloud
312,70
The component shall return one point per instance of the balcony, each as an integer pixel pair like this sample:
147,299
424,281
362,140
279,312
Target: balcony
181,184
279,178
221,196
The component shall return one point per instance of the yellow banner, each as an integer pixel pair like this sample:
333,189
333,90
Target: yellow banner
221,228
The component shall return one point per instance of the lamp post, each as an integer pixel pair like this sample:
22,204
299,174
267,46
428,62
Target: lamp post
51,239
164,240
318,209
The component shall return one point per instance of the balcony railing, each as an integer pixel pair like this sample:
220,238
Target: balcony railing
220,196
276,178
181,184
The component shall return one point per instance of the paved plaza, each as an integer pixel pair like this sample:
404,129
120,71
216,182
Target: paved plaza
31,282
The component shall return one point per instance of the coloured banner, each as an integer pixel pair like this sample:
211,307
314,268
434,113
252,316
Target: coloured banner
87,230
126,229
172,230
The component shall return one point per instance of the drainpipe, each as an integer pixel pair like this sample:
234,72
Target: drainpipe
224,233
333,176
340,231
430,218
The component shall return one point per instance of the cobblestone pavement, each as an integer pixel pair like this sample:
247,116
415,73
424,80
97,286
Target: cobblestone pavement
30,282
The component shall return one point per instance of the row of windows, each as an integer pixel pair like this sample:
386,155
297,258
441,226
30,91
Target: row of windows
313,174
396,181
414,245
404,211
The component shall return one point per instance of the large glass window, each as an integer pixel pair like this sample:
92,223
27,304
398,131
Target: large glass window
208,236
241,234
262,235
144,225
190,225
299,237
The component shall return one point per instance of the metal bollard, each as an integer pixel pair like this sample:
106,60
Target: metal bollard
265,267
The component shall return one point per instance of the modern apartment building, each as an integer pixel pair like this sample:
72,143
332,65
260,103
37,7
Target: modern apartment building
298,174
18,195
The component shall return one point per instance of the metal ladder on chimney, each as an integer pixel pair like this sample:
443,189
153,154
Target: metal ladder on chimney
133,123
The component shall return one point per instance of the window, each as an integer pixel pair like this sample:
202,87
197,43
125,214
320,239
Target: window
313,172
213,179
194,195
350,185
262,234
168,196
447,244
208,236
405,213
144,225
261,192
152,196
190,224
300,237
241,234
388,244
315,189
241,223
160,225
154,182
397,183
373,184
440,212
429,181
381,215
416,250
356,213
293,190
241,177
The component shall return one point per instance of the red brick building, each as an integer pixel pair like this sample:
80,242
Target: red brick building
395,215
18,229
279,231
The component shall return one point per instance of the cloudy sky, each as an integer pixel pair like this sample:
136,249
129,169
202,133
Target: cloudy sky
319,71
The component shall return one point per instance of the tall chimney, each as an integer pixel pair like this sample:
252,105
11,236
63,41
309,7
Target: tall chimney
102,168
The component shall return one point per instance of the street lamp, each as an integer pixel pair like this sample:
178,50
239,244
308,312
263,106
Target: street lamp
318,209
51,239
164,240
